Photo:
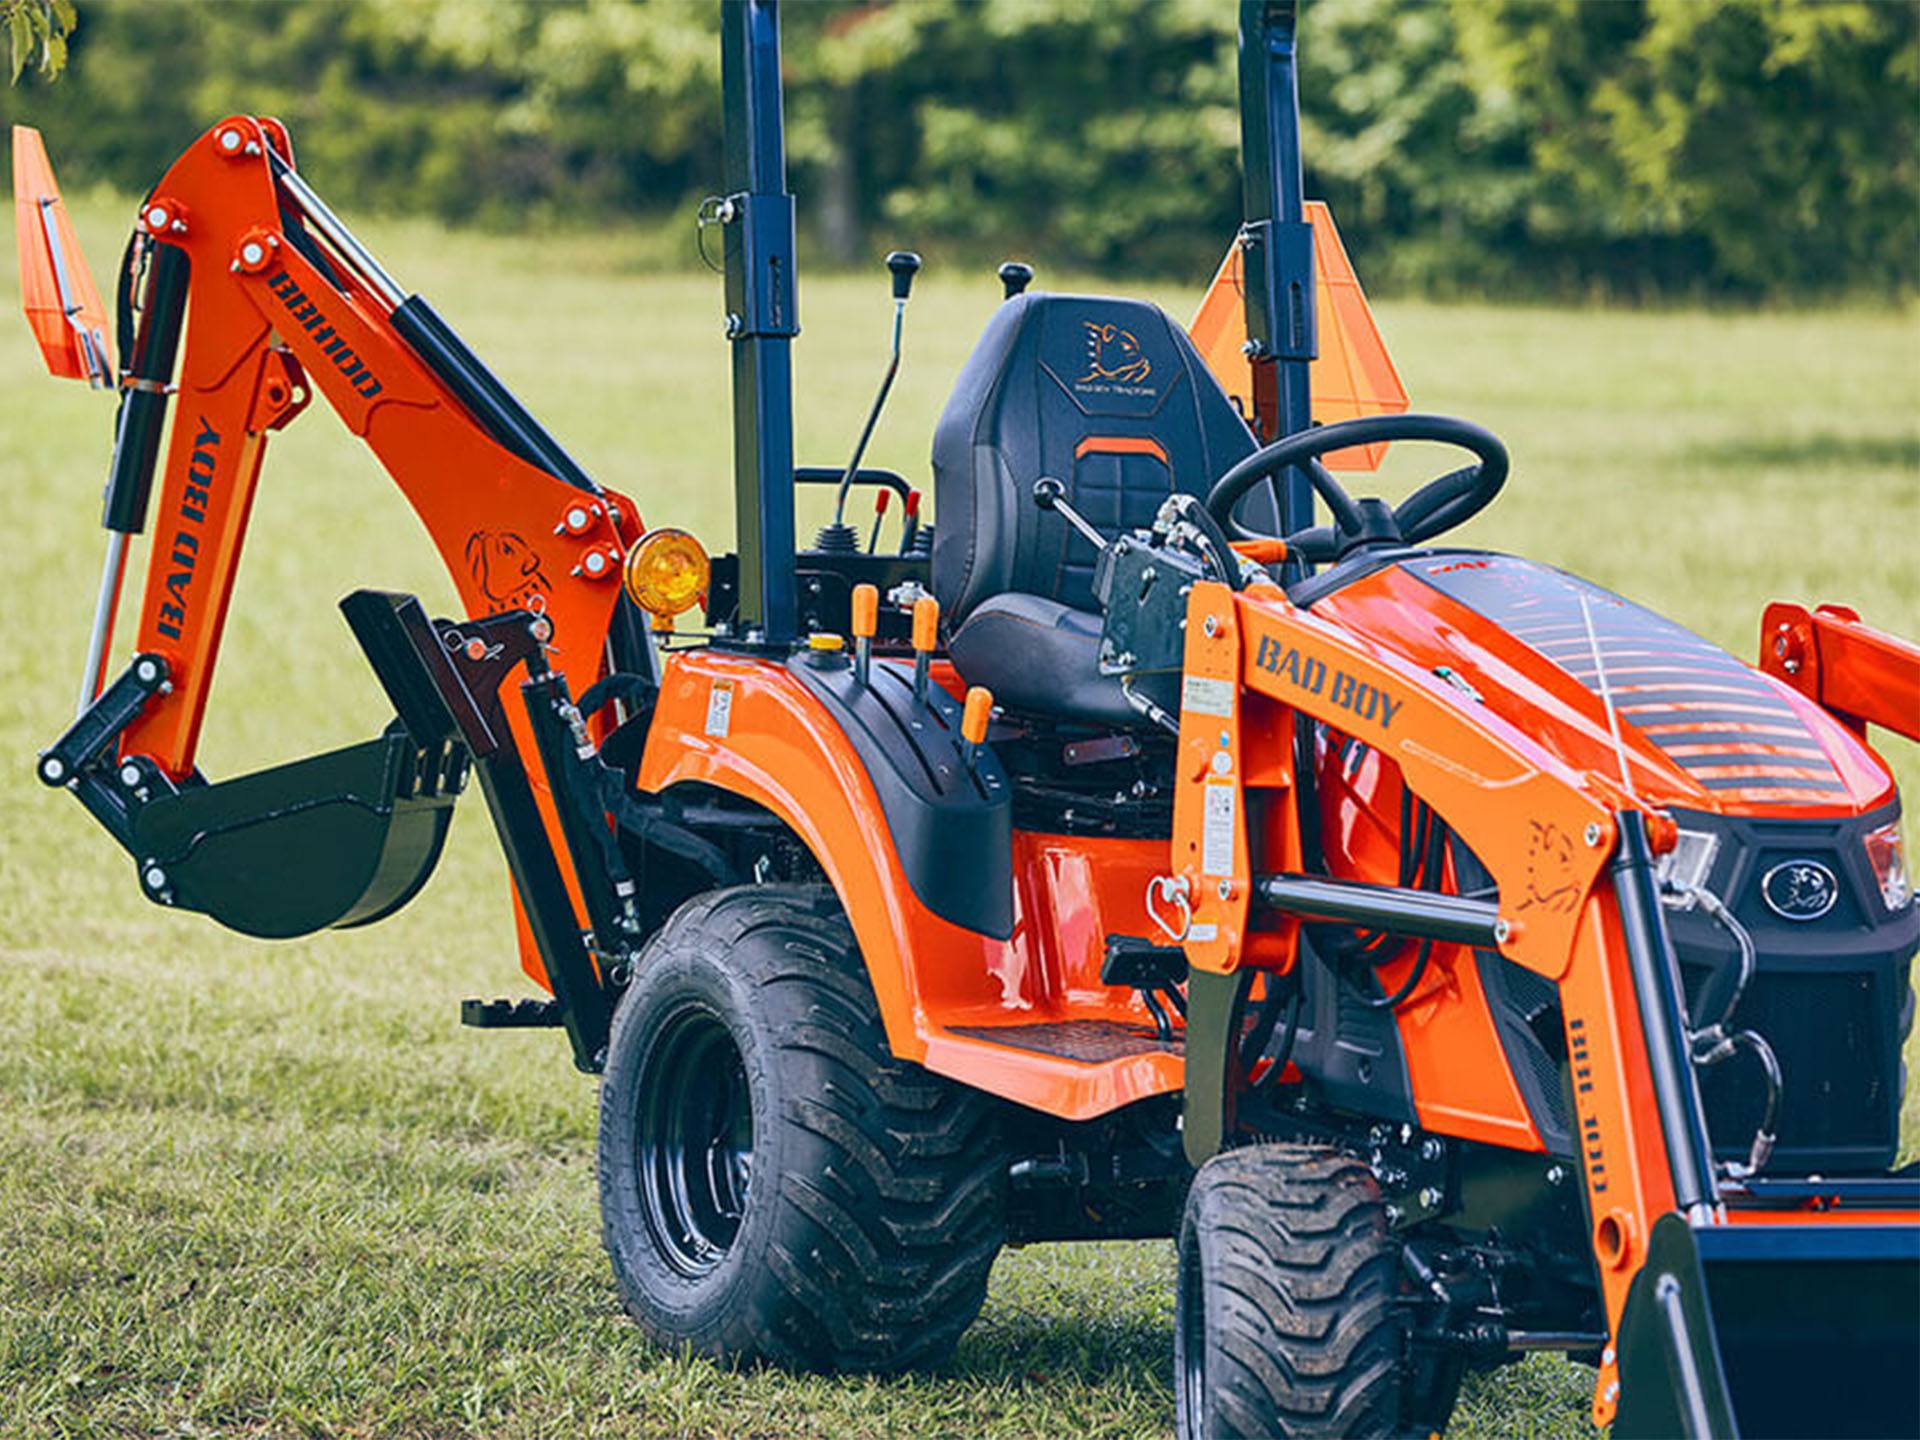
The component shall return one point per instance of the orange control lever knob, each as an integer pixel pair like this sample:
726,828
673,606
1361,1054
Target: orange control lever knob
926,623
866,610
973,719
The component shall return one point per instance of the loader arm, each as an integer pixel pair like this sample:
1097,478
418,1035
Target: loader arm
1829,654
1571,853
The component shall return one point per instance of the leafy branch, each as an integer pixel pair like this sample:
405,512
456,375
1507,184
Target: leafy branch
37,33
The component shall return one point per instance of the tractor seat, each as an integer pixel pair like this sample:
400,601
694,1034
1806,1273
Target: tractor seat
1110,398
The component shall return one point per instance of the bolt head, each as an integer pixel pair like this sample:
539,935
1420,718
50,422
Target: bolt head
595,562
577,517
1226,889
1502,930
542,630
146,671
53,770
155,877
130,775
253,252
157,217
230,140
1210,625
1593,834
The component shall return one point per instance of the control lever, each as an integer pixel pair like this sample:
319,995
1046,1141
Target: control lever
1050,494
866,620
903,265
973,725
1015,276
926,635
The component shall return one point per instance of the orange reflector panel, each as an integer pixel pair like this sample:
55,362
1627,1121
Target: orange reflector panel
667,572
56,288
1353,376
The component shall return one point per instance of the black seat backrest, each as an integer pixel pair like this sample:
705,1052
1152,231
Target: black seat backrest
1107,396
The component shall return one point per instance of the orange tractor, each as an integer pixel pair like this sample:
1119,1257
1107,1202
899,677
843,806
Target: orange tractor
1458,959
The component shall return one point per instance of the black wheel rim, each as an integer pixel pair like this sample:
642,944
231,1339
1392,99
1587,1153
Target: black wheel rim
695,1140
1192,1320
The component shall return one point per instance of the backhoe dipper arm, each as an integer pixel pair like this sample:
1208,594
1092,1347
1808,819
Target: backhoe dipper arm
281,302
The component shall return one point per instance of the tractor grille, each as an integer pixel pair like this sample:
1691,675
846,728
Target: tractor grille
1829,1033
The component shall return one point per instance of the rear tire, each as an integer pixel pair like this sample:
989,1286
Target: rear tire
774,1185
1286,1322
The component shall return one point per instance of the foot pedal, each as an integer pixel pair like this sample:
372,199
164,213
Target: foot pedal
526,1014
1152,971
1141,964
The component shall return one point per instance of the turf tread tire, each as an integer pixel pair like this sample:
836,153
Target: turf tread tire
1289,1265
877,1204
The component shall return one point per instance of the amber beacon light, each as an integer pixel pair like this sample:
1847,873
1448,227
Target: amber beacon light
667,572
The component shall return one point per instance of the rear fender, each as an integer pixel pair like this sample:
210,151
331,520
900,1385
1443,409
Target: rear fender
752,727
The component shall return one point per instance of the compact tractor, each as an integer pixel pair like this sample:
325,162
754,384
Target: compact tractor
1160,840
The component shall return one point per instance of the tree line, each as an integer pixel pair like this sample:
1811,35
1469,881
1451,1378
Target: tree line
1639,148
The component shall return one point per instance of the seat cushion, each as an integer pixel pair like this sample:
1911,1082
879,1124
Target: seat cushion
1040,656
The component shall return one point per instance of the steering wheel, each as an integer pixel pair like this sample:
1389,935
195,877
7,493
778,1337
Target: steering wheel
1434,508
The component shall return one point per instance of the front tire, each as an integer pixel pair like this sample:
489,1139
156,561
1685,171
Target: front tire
774,1185
1286,1323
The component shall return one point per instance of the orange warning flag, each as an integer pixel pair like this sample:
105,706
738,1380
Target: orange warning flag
1353,375
56,289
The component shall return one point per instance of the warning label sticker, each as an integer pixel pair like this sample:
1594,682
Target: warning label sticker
720,709
1217,828
1203,696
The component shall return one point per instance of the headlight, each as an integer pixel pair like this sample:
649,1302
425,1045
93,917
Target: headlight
1887,857
1686,866
667,572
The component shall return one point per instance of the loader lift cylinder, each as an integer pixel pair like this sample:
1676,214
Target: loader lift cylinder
1663,1019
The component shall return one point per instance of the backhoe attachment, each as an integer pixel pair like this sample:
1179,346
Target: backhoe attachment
242,300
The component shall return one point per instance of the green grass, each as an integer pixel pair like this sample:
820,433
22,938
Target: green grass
252,1189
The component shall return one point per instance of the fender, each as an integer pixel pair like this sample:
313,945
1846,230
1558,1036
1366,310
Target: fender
758,731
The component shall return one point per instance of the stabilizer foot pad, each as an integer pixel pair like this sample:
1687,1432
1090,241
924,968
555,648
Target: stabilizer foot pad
526,1014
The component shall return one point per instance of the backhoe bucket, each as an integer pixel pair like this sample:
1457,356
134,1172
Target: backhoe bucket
1808,1327
343,838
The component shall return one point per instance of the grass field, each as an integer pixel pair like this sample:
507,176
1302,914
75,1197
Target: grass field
252,1189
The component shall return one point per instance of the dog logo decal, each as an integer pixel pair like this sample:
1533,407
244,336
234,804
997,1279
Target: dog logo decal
507,571
1113,355
1552,876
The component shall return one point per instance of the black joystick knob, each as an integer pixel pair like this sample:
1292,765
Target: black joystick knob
1015,276
905,265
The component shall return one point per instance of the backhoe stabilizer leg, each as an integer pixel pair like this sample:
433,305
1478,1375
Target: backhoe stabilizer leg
444,680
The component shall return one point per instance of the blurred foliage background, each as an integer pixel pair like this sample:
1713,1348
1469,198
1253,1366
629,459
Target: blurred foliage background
1622,149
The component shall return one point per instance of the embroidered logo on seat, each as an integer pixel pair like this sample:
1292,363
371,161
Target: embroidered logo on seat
1113,355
